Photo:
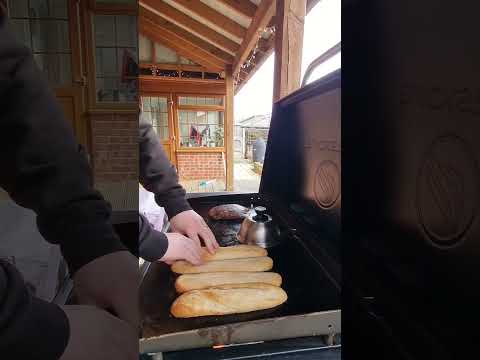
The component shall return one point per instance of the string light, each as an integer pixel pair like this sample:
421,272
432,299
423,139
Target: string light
270,30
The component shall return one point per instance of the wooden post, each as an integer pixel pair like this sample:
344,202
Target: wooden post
229,125
290,19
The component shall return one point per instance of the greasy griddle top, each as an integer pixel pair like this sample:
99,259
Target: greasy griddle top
308,289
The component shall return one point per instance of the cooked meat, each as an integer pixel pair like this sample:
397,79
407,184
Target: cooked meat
228,212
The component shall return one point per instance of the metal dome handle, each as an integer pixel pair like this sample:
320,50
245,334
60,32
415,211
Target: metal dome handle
320,60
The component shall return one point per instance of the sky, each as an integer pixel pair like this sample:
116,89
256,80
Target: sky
322,31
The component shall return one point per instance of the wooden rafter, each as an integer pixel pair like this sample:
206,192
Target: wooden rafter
164,31
170,13
213,17
243,7
261,19
183,47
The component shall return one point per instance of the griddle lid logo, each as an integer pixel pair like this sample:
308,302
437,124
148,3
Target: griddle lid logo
447,191
327,184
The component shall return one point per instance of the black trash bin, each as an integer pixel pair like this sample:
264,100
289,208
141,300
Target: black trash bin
258,153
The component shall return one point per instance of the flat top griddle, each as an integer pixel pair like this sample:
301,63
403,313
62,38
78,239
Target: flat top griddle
308,288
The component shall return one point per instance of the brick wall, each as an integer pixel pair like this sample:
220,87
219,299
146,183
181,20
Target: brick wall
115,146
200,166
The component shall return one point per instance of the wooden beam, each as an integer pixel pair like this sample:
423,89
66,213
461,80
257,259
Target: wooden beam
229,127
242,7
263,15
214,17
157,84
180,67
290,16
162,31
170,13
186,36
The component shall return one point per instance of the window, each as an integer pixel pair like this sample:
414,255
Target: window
200,100
43,26
201,128
116,56
201,121
155,109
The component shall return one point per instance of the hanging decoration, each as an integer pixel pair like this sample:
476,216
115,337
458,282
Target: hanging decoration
270,30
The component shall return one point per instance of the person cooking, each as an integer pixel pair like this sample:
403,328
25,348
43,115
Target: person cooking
158,176
44,169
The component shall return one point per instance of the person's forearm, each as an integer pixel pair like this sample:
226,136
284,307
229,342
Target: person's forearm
157,174
152,244
42,166
28,325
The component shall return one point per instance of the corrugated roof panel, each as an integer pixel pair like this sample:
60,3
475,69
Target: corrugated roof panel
225,10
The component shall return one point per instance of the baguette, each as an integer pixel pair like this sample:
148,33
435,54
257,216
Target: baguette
190,282
228,299
233,265
234,252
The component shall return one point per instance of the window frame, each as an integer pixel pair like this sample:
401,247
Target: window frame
171,131
178,108
73,20
90,49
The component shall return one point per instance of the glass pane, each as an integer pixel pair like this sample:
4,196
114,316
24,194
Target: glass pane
200,100
146,103
201,117
164,119
147,116
183,117
50,35
184,130
57,67
182,100
18,8
191,101
127,31
123,55
213,118
210,101
154,104
58,9
165,135
21,28
165,55
107,89
104,26
185,61
128,90
145,49
106,62
39,9
163,104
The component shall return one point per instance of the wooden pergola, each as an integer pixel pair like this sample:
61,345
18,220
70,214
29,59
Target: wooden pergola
229,37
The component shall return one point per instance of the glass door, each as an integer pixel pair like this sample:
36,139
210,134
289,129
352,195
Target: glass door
158,110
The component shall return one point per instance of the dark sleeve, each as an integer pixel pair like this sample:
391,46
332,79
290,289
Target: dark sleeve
152,244
157,174
28,325
42,165
42,169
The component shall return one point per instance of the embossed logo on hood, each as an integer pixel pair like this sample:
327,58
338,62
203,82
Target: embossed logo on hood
447,190
327,184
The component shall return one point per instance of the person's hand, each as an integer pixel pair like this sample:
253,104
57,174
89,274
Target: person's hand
111,282
182,248
192,225
97,335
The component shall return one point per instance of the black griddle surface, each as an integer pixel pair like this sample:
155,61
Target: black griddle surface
308,289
